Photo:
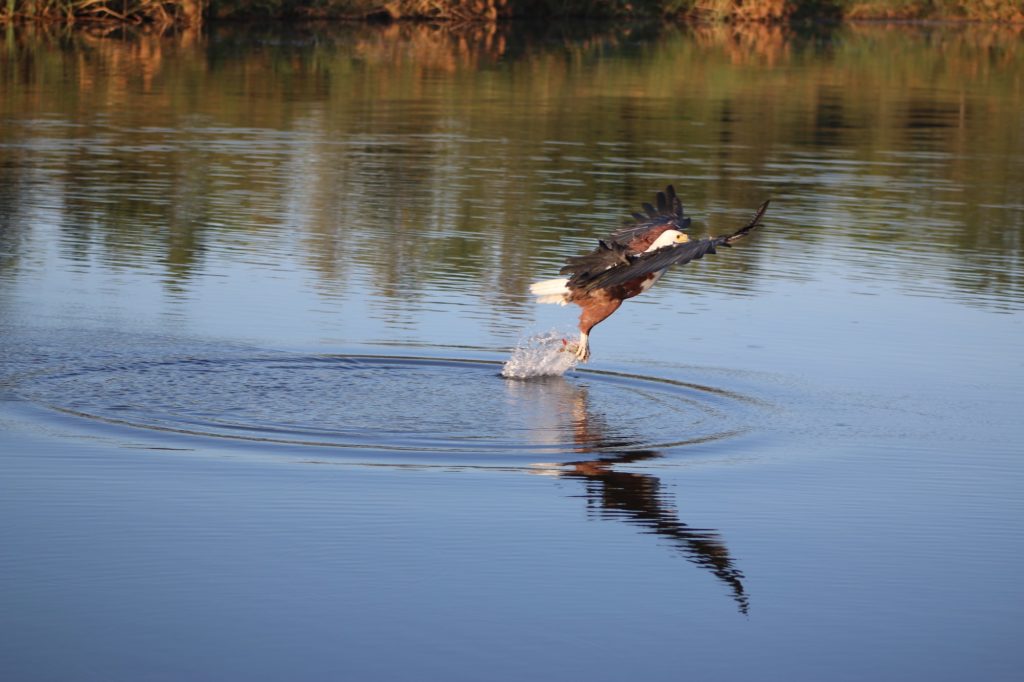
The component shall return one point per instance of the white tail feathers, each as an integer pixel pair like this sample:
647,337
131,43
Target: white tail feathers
551,290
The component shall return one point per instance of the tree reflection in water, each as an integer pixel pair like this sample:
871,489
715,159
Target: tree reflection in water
562,413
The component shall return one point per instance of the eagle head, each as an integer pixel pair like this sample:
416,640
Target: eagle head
668,238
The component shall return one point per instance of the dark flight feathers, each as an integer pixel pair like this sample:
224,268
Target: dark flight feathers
612,263
669,213
606,255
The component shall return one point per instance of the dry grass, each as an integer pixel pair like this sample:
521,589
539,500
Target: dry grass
162,12
974,10
192,12
456,10
742,11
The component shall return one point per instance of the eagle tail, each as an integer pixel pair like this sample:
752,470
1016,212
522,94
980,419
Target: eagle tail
551,290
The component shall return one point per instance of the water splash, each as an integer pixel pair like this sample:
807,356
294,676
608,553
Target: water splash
541,355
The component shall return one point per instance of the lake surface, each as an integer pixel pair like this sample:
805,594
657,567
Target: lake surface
257,289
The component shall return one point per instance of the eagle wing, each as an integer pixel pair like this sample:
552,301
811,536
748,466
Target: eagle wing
632,266
668,212
607,255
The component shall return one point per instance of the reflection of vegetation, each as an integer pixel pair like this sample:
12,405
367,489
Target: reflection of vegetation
474,154
12,221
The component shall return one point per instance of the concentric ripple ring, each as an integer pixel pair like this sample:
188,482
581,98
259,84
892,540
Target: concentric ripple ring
379,403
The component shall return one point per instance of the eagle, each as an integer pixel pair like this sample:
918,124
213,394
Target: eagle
630,261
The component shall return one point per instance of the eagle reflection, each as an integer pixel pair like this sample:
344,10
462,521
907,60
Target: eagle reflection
636,498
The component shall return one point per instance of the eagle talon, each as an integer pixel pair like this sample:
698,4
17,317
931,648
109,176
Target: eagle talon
575,349
582,350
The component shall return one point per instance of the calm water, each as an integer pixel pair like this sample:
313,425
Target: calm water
256,290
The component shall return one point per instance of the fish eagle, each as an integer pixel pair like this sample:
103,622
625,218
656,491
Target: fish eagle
630,261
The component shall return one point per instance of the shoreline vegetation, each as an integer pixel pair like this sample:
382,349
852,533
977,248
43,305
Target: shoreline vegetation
193,13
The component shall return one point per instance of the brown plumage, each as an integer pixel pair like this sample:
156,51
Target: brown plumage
630,261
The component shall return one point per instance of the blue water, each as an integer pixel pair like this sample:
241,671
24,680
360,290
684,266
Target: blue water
256,295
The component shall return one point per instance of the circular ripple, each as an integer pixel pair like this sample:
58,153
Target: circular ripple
399,404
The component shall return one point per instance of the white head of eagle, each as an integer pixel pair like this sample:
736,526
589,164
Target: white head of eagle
668,238
630,261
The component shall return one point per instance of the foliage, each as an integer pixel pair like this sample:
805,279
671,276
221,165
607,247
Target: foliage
135,11
734,11
977,10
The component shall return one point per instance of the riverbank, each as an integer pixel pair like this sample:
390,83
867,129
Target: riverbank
195,12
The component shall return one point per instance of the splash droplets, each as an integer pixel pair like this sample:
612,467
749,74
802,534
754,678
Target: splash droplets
541,355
